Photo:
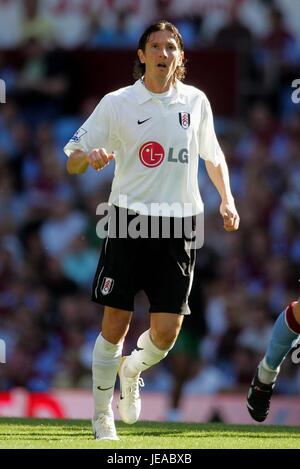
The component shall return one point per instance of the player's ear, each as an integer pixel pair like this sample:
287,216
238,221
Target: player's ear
141,56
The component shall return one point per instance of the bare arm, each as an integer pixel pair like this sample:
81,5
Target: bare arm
220,177
79,161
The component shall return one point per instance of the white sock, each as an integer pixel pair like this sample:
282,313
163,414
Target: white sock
265,374
106,361
144,356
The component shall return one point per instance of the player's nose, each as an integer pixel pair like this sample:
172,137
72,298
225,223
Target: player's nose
163,52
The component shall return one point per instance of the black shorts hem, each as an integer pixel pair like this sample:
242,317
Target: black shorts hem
113,304
182,311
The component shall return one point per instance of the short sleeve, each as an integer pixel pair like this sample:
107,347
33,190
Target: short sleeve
209,148
95,132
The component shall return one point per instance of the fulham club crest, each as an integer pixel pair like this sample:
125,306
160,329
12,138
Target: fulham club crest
107,285
184,119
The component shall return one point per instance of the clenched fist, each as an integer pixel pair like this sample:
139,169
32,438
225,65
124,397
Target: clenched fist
99,158
230,216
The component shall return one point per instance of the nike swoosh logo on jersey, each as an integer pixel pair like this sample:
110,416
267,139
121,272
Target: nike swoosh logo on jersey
141,122
104,389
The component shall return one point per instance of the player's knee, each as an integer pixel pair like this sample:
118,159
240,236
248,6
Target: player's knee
164,339
115,324
115,335
115,328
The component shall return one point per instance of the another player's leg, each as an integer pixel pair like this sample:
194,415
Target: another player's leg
106,361
152,346
285,331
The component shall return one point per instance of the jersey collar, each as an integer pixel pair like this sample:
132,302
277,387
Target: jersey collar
143,94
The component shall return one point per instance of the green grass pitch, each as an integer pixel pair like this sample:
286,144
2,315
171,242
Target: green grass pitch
48,433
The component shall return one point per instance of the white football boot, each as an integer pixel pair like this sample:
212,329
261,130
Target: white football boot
104,427
129,404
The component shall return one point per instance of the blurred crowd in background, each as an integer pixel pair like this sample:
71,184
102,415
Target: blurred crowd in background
110,23
48,243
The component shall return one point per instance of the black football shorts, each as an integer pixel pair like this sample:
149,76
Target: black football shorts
162,267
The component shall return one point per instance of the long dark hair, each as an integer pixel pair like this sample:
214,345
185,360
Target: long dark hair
139,68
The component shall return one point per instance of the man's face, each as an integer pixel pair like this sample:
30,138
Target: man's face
162,55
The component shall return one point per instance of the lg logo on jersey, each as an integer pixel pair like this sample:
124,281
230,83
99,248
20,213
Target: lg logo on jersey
152,154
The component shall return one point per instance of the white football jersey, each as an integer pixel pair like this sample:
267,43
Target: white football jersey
157,144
